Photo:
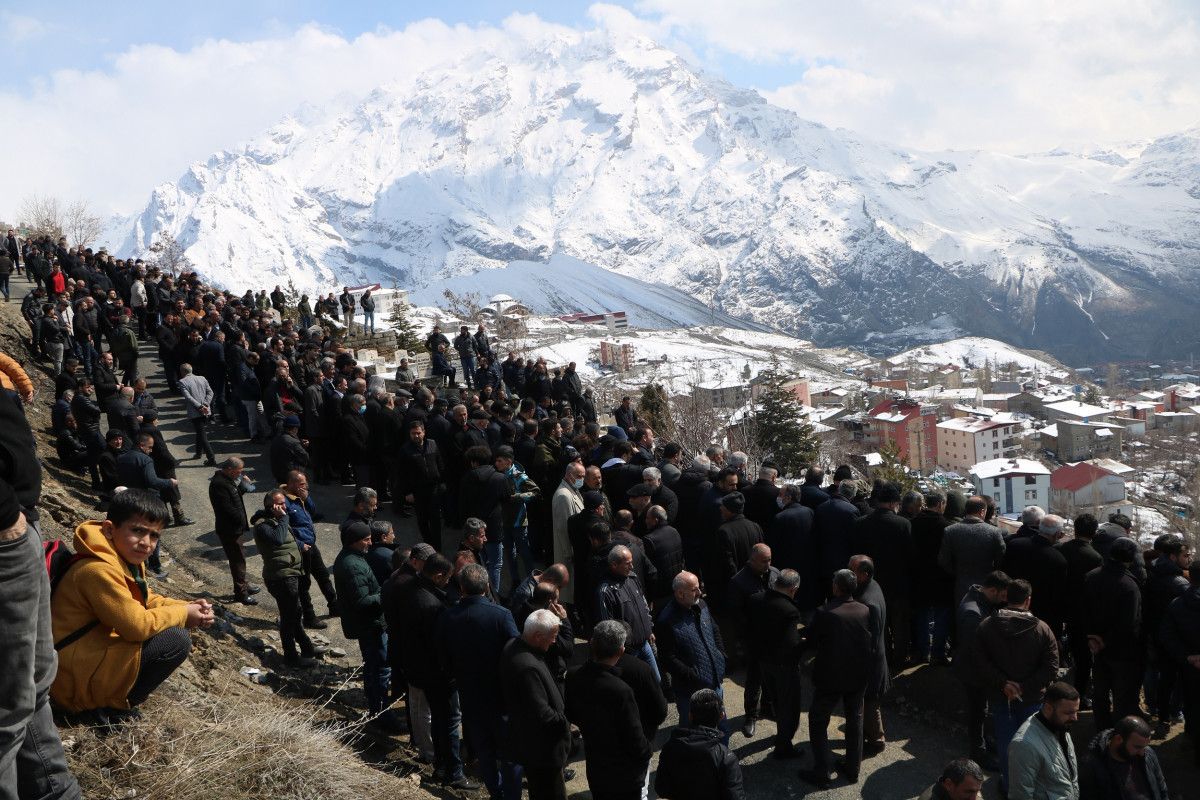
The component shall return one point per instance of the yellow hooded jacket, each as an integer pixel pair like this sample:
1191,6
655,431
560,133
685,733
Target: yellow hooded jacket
99,669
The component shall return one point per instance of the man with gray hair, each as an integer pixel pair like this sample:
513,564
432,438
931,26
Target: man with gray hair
539,733
689,643
1037,560
774,643
606,711
660,494
762,496
1031,519
198,395
620,597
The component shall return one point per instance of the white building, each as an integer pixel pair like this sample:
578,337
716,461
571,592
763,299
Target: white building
965,441
1013,483
1075,411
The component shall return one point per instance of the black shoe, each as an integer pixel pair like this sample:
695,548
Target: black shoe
873,749
183,521
843,771
568,774
784,753
252,589
247,601
315,624
333,610
210,462
465,784
749,727
815,778
160,575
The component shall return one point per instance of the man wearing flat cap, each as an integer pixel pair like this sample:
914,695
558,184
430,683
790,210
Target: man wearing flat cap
735,537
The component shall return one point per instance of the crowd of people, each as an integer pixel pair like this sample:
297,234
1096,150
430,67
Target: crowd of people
677,570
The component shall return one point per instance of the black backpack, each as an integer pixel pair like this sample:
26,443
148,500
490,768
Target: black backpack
59,559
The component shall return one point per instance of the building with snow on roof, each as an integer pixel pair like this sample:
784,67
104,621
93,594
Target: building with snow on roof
1013,483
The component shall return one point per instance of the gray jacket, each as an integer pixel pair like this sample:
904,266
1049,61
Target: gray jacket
196,393
970,550
1039,768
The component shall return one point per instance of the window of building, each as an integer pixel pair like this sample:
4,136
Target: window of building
1031,494
995,481
1030,480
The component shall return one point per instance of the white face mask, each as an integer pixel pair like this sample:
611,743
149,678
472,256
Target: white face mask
779,501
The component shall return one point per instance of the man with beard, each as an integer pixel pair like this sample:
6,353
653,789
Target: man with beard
1041,755
1121,765
419,474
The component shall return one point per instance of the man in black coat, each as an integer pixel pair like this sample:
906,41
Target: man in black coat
226,489
619,596
540,735
886,537
735,536
980,602
1165,583
1081,558
1037,560
483,491
287,451
419,480
430,691
843,635
695,763
692,485
870,594
1114,627
933,587
834,520
354,435
774,644
1179,637
762,497
664,549
811,494
606,711
794,545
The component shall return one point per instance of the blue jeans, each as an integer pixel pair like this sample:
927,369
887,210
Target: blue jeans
1007,718
377,674
486,733
922,618
446,725
683,703
4,286
646,653
468,368
516,546
493,560
369,321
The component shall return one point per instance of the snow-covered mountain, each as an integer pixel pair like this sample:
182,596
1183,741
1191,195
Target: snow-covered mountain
610,149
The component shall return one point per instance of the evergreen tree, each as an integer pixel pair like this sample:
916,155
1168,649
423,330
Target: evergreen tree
779,429
406,334
892,469
1092,396
654,408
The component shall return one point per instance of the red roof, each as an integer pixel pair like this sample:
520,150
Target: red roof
1074,478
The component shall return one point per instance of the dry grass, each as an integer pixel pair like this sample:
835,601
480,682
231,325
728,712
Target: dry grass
199,747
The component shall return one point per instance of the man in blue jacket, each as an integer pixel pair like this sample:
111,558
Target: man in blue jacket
302,517
470,637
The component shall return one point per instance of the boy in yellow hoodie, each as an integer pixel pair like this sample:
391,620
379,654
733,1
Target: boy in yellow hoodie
117,640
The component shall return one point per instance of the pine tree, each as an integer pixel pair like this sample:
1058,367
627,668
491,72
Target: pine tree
892,469
406,334
779,429
654,408
1092,396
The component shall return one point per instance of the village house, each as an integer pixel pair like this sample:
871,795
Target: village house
911,426
965,441
1013,483
1076,488
1078,441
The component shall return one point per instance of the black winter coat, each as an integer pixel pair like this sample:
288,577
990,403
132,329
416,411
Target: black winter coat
735,538
482,494
1166,582
794,545
842,633
1097,779
286,454
1114,611
354,435
834,521
606,711
761,505
1179,633
664,548
419,606
419,472
539,733
932,585
652,705
1037,560
1082,558
695,764
773,628
229,510
887,538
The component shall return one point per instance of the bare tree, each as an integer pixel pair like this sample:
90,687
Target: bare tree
43,215
169,255
466,306
80,225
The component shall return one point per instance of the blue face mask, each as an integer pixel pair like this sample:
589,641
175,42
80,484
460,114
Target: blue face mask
362,409
578,483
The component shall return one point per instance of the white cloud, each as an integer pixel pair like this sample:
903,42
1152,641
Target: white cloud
1013,75
19,28
111,135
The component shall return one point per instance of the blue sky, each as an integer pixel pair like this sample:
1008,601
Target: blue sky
154,87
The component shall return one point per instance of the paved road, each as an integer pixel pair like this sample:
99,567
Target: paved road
915,752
